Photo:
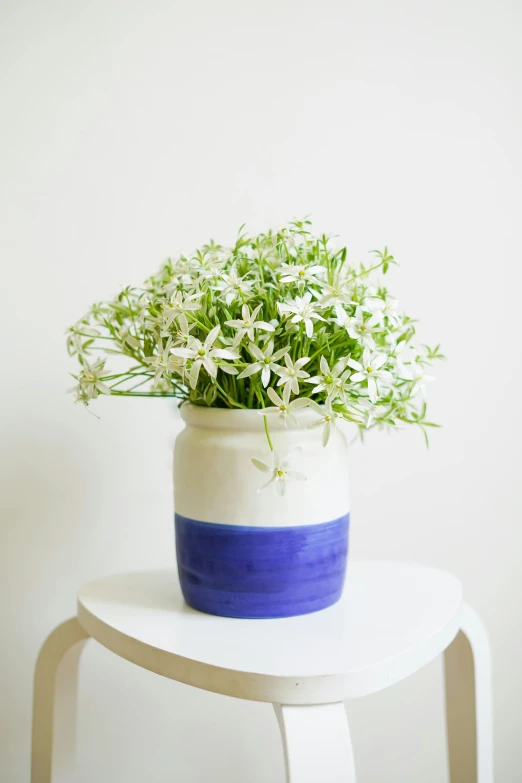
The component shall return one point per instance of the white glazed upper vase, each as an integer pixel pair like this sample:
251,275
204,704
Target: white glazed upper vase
254,554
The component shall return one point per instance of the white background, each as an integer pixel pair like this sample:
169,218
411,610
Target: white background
134,130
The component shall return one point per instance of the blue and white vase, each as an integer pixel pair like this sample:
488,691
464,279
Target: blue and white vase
250,554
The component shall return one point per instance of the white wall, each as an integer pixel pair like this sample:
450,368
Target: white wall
132,130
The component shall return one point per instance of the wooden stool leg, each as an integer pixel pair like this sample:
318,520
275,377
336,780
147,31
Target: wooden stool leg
54,703
317,743
469,704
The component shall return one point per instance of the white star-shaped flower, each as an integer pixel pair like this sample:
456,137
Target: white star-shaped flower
232,285
164,363
282,407
204,355
384,308
370,370
247,324
326,420
90,383
279,473
302,309
300,273
330,381
358,326
265,361
339,292
417,373
178,306
291,374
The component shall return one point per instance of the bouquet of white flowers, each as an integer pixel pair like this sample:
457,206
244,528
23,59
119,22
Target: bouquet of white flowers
277,322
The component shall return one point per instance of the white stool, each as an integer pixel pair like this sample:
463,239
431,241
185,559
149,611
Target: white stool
393,619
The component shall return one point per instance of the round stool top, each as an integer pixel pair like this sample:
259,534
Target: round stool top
393,619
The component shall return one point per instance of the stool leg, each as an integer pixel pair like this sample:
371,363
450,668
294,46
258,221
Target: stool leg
317,743
469,703
54,702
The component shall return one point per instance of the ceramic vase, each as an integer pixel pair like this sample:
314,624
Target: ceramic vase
247,553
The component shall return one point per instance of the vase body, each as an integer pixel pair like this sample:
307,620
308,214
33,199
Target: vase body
250,554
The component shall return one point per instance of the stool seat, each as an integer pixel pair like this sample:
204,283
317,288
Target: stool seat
392,619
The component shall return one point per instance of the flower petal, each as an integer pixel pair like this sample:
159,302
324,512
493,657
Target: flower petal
323,364
250,370
209,366
185,353
295,476
326,433
264,325
261,465
372,389
256,351
270,481
317,408
300,402
278,354
265,375
224,353
236,324
276,399
212,337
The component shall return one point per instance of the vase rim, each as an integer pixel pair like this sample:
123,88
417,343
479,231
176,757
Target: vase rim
248,419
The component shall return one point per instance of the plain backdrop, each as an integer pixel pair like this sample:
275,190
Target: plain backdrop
130,131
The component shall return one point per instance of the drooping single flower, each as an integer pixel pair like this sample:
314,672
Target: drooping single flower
204,355
247,324
279,473
330,381
282,406
370,370
265,361
327,418
292,372
302,309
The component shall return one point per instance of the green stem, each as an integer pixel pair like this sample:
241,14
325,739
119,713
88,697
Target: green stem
228,397
269,439
142,394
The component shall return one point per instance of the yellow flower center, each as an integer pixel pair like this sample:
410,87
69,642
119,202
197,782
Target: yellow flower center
328,379
201,352
267,360
302,273
369,369
328,418
280,473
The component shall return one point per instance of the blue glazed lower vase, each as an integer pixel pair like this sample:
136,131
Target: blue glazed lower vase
261,572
